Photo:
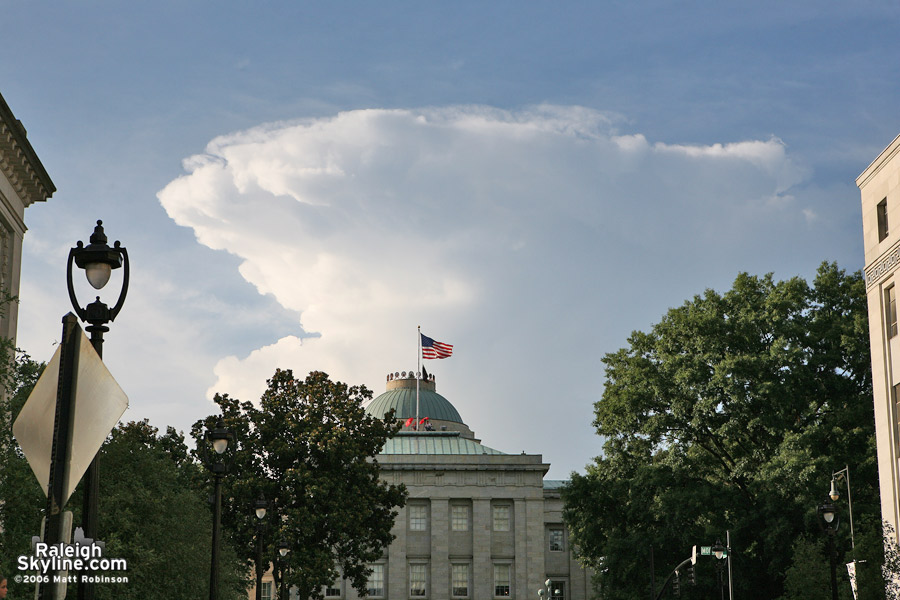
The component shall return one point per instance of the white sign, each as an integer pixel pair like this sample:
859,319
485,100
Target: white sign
99,403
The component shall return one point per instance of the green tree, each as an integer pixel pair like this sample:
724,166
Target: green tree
22,502
156,517
808,578
309,448
154,512
730,414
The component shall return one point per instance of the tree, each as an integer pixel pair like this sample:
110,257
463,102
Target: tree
806,578
156,517
22,502
730,414
310,450
154,514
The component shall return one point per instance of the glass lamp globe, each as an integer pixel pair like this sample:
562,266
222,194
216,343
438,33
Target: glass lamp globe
98,274
220,445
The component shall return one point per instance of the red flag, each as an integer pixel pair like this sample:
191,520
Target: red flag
410,421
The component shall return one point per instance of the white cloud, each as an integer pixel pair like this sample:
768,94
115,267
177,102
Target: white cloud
529,239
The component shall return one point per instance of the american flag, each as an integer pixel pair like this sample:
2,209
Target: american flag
433,349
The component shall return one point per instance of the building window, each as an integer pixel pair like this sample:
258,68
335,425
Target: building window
501,517
459,580
417,581
418,517
501,581
556,540
333,590
557,590
266,589
890,309
881,210
896,399
459,517
376,582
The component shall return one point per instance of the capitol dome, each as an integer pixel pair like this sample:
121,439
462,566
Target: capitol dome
401,397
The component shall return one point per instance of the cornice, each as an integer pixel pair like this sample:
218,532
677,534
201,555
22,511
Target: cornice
458,467
883,266
18,161
886,155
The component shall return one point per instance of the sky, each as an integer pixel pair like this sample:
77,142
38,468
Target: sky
301,185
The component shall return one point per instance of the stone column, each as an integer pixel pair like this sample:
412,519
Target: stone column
395,577
440,549
533,561
482,567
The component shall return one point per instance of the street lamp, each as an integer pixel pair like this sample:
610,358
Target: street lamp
547,592
219,437
720,552
834,495
261,508
283,550
98,261
829,522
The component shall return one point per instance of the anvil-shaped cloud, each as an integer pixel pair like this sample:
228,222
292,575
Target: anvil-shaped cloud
532,240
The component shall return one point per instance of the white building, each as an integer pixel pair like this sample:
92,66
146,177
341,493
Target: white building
879,187
23,181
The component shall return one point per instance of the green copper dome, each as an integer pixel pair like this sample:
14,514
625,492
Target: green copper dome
401,396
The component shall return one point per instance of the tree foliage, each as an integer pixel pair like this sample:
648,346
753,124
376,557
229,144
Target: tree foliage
730,414
22,502
154,515
309,448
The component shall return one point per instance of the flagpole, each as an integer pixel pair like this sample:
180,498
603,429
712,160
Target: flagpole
418,372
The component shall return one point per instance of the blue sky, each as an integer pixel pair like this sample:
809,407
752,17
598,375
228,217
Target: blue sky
301,184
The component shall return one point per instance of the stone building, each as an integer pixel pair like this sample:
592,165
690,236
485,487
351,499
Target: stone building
479,524
879,187
23,181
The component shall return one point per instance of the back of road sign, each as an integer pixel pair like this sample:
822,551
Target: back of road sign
99,403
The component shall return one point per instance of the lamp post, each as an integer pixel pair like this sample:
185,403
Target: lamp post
834,495
261,508
829,521
720,552
547,592
98,261
219,437
281,559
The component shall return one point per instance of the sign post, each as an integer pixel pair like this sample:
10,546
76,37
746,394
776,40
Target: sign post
57,492
73,407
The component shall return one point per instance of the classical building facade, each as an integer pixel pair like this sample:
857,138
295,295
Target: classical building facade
23,181
479,524
879,187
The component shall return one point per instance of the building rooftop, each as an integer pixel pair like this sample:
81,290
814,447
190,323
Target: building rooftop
18,161
401,396
435,442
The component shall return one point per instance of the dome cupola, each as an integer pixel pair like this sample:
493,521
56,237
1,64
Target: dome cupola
400,395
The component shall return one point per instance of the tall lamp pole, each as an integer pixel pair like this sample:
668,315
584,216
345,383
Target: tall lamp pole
98,261
720,552
219,437
834,494
261,508
283,550
829,523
